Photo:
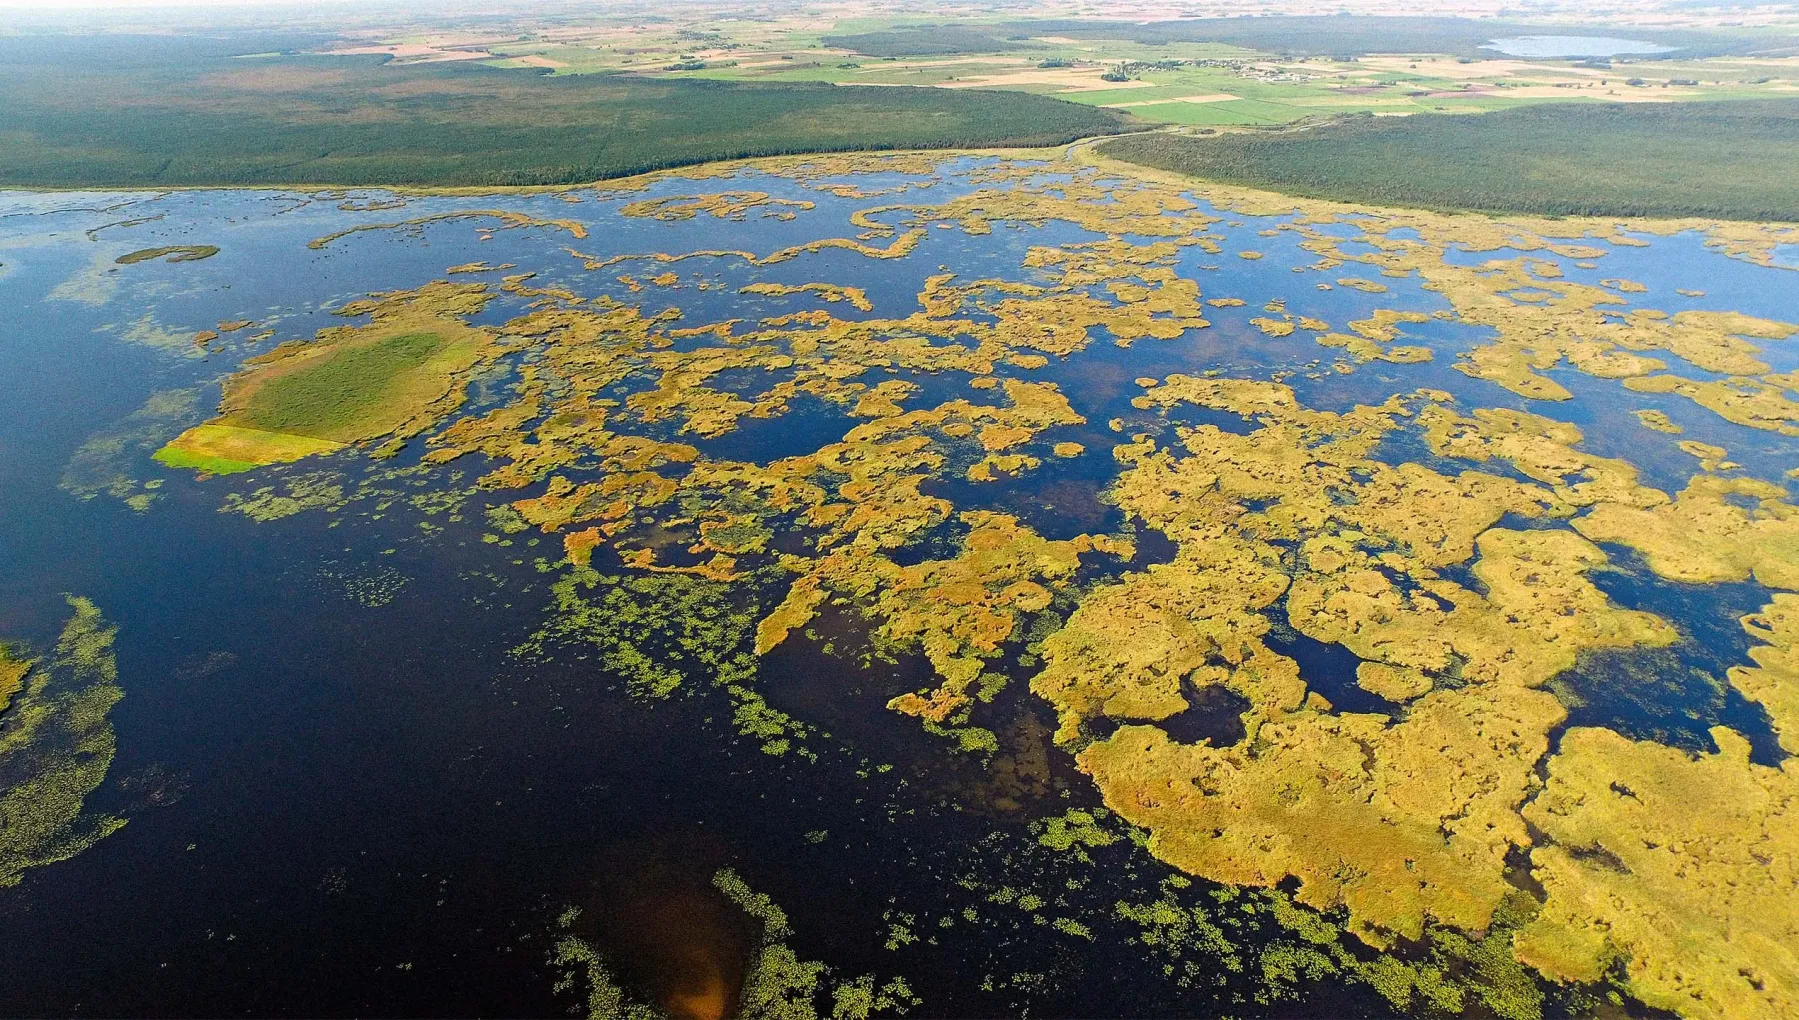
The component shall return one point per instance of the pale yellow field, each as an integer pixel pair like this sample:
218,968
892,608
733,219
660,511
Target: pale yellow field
1215,97
1070,79
415,53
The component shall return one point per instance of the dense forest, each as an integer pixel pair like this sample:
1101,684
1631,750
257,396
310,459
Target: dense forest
1340,36
1730,160
186,112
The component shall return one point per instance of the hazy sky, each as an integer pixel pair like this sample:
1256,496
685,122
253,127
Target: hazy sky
91,4
84,5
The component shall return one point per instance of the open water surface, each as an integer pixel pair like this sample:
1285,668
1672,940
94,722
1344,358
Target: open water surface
346,794
1549,47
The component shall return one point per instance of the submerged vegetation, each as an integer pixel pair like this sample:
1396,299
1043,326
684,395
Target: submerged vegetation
108,459
1725,160
776,984
56,745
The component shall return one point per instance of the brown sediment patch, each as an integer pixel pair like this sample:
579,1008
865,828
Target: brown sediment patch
666,931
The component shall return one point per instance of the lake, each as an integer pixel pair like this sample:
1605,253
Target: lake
785,567
1550,47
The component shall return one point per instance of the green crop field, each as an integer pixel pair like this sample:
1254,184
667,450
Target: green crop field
188,112
1730,159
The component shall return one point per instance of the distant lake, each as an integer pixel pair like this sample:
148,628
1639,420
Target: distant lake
1572,46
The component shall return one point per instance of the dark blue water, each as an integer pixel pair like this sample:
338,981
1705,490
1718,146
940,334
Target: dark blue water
341,804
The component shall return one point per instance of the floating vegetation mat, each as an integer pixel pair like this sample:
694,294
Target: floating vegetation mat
1301,608
56,744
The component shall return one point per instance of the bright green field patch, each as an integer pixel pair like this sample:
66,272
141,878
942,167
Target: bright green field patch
340,390
229,449
176,457
1240,111
1196,114
1256,111
1108,97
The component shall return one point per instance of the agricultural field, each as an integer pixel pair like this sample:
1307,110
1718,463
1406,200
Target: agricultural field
1225,74
578,98
1212,72
1254,93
